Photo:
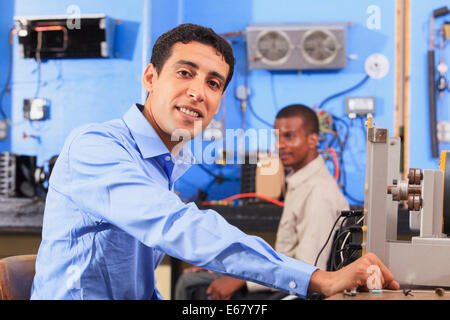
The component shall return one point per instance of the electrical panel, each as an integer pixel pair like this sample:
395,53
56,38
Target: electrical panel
297,46
49,37
19,175
36,109
359,106
7,174
325,121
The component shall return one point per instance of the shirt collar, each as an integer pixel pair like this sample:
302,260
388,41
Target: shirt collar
294,179
147,140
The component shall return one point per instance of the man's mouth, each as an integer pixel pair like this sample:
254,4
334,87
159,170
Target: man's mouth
189,112
284,155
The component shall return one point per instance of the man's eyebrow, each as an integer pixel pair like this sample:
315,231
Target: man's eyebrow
189,63
195,66
218,75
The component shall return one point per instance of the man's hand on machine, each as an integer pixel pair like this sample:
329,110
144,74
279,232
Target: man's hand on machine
360,273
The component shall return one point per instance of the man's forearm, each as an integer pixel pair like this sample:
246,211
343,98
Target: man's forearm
321,282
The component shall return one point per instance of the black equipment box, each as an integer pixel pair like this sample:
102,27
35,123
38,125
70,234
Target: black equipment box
49,37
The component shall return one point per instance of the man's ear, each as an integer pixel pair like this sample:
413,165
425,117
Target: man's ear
313,140
150,75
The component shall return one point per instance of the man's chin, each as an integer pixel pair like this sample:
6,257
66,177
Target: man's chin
182,134
286,163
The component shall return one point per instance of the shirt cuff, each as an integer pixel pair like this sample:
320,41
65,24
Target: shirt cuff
295,276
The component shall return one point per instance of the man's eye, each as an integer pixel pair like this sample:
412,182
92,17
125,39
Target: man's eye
214,84
184,73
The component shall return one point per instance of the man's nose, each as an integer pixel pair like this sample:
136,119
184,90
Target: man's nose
280,143
196,91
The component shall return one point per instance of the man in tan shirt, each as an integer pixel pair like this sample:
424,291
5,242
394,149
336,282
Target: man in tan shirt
313,200
312,204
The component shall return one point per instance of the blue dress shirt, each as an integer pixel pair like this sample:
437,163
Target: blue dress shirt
111,215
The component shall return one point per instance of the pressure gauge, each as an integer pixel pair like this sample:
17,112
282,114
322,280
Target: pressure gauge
377,66
274,47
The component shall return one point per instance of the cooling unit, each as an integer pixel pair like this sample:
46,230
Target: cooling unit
297,46
50,37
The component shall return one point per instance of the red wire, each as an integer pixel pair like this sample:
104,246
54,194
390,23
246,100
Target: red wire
267,198
248,195
336,163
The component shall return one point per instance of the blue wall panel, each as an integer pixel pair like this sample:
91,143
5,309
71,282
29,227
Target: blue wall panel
80,90
271,90
420,145
6,13
311,88
87,90
223,17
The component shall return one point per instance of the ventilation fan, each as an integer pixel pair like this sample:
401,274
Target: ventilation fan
274,47
297,46
319,47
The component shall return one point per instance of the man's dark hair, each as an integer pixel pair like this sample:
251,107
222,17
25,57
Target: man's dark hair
309,117
186,33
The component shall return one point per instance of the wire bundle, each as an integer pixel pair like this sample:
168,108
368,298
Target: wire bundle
345,246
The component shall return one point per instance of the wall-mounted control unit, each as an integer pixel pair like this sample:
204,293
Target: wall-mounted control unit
359,106
19,175
49,37
297,46
36,109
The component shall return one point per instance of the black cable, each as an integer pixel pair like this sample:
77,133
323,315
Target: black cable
346,253
333,249
349,258
336,242
342,222
208,171
342,146
360,83
328,239
219,177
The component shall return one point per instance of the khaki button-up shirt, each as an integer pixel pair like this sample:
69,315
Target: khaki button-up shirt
312,204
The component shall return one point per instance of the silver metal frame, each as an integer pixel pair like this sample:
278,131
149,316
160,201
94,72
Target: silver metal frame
425,260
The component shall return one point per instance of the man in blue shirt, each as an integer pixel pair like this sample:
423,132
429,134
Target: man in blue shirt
111,214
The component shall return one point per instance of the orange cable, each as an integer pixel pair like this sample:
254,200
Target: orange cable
247,195
336,163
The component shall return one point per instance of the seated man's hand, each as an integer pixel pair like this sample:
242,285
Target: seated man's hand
354,275
193,269
196,269
223,288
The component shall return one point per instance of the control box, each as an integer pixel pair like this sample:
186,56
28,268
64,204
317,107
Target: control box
50,37
359,106
36,109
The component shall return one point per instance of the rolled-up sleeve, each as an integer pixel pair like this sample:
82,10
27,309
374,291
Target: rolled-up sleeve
107,184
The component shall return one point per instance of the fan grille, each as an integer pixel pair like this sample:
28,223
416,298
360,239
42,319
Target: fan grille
319,46
273,46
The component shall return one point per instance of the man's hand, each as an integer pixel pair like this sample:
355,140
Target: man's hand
352,276
223,288
193,269
196,269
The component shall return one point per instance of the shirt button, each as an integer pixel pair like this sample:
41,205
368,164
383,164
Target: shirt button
292,285
167,158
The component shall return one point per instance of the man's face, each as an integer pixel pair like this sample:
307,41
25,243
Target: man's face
188,88
295,147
